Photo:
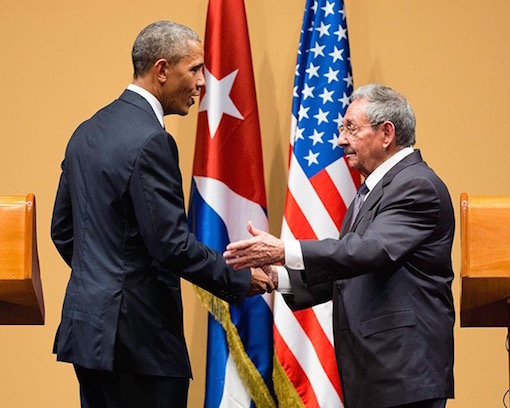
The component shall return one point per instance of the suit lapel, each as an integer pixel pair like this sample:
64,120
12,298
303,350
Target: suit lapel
413,158
376,193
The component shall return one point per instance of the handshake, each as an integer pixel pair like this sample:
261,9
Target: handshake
260,253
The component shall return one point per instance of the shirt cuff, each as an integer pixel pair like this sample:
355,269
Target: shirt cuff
284,285
293,255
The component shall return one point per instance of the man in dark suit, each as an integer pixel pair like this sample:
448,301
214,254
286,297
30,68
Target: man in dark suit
119,222
389,273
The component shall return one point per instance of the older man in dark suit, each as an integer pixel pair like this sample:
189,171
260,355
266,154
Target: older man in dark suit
119,222
389,273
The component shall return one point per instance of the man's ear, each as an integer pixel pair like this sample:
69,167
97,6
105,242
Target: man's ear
161,69
388,129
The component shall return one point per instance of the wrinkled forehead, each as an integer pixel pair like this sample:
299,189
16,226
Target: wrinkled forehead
356,112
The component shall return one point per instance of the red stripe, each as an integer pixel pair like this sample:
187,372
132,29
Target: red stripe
330,197
294,371
296,220
323,347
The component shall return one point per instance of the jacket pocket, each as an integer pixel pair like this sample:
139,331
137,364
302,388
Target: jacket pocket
389,321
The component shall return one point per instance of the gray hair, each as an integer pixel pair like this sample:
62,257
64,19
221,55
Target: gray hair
386,104
162,39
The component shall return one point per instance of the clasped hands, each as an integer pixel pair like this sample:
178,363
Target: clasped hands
260,253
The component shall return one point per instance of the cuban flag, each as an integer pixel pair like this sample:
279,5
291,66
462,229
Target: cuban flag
227,191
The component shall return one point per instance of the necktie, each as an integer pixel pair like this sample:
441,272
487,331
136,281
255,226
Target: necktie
358,201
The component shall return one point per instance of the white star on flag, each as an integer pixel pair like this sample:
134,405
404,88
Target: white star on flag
312,71
316,137
321,116
312,157
328,9
317,50
217,101
332,75
308,91
341,33
326,96
337,54
323,29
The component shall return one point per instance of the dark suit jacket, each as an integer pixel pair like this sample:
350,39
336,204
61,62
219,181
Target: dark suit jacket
119,221
390,281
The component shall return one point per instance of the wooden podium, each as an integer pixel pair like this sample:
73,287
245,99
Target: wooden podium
21,296
485,250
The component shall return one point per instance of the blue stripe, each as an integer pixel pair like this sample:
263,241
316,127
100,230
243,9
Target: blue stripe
206,223
253,320
217,354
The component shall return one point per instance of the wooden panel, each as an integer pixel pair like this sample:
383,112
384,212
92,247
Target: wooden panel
485,227
12,238
485,249
21,297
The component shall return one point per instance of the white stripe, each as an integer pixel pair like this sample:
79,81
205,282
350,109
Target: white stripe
234,209
324,315
342,178
300,345
286,232
293,127
309,202
235,394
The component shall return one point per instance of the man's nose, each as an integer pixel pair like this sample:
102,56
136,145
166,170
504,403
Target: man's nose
342,140
201,80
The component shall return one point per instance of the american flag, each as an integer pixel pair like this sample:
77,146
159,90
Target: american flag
320,188
227,191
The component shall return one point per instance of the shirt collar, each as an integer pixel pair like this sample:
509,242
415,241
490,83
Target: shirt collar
153,101
386,166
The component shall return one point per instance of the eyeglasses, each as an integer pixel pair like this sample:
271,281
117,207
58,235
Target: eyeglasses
352,130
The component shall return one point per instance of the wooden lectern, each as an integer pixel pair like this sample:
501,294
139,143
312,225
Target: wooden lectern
21,296
485,250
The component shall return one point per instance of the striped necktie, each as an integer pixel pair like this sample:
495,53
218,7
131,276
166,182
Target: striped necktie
358,201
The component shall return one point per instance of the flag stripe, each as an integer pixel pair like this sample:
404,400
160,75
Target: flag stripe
300,225
309,202
322,344
345,181
330,196
305,390
286,232
316,380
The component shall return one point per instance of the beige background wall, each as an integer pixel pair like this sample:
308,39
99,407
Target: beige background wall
62,60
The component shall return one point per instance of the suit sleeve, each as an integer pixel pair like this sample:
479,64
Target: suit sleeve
408,215
62,220
156,191
304,296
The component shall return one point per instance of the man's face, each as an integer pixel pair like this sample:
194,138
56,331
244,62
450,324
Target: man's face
363,146
184,81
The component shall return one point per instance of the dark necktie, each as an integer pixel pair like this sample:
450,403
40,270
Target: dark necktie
358,201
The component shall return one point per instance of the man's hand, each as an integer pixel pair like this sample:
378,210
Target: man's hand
260,282
272,272
261,250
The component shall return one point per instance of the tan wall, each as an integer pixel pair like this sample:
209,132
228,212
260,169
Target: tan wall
62,60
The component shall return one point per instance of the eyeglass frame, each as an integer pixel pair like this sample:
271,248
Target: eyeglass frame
351,133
